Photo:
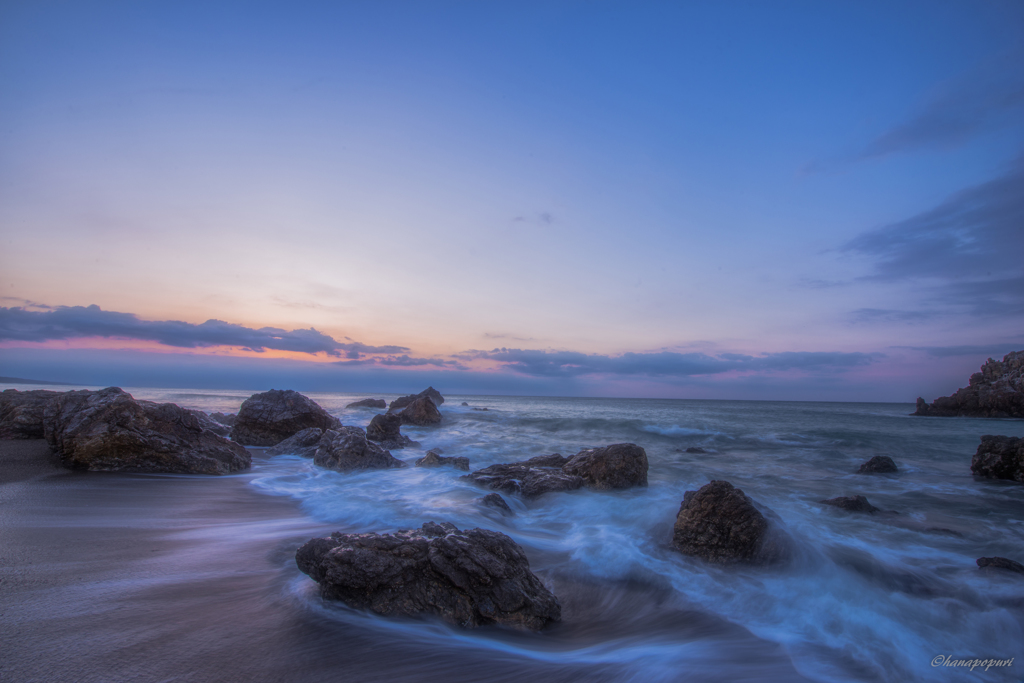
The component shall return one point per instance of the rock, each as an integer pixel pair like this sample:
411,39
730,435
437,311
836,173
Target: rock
851,503
21,413
553,460
369,403
720,524
999,457
303,443
109,430
209,423
466,404
479,408
468,578
529,478
880,464
1000,563
619,466
386,430
996,391
493,500
430,392
433,459
269,418
421,412
346,449
226,419
695,449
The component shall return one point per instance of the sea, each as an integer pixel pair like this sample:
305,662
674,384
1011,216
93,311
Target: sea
891,596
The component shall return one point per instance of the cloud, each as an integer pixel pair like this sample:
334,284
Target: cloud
890,315
978,350
70,322
666,363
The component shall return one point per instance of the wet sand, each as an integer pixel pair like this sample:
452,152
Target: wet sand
118,577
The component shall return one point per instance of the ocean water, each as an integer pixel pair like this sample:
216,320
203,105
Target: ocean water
868,597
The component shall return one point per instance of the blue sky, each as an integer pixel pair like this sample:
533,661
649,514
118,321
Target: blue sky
591,198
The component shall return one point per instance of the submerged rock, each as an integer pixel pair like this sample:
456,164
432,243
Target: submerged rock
21,413
303,443
996,391
464,403
720,524
999,457
1000,563
421,412
619,466
404,401
386,430
851,503
434,459
695,449
109,430
369,403
346,448
880,464
269,418
468,578
493,500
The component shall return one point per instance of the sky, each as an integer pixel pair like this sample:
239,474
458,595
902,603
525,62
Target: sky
793,200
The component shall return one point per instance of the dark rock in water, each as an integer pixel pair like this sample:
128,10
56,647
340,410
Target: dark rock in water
346,449
303,443
269,418
433,459
720,524
386,430
996,391
109,430
851,503
466,404
999,457
468,578
421,412
526,478
369,403
880,464
619,466
1000,563
430,392
21,413
695,449
479,408
226,419
493,500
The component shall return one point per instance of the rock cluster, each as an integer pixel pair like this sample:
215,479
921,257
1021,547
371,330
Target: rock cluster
435,459
720,524
21,413
880,464
851,503
369,403
468,578
999,457
996,391
386,430
346,449
271,417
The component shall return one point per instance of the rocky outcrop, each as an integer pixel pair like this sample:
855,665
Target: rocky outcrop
880,464
369,403
421,412
468,578
269,418
720,524
999,457
430,392
386,430
434,459
21,413
346,449
1000,563
619,466
493,500
996,391
303,443
851,503
111,431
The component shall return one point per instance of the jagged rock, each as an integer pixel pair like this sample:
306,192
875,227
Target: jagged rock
851,503
999,457
385,430
421,412
269,418
346,449
695,449
619,466
1000,563
209,423
21,413
468,578
720,524
434,459
996,391
369,403
493,500
303,443
226,419
880,464
404,401
530,478
109,430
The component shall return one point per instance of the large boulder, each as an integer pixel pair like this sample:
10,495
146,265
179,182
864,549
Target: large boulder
369,403
303,443
999,457
880,464
21,413
996,391
421,412
435,459
468,578
720,524
404,401
109,430
269,418
619,466
346,449
386,430
529,478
